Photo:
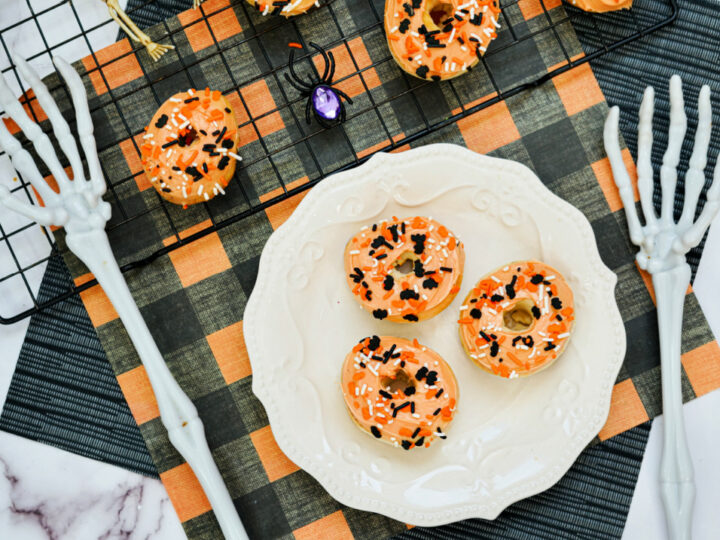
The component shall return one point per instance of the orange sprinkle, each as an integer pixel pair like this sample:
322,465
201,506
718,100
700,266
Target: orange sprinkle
442,231
216,95
207,90
416,343
455,289
451,243
295,45
359,375
405,432
387,295
465,320
365,413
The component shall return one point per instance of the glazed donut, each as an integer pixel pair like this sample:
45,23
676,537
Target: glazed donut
601,6
429,254
286,8
517,320
399,391
188,149
440,39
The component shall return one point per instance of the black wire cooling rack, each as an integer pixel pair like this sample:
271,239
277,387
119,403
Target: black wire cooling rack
626,27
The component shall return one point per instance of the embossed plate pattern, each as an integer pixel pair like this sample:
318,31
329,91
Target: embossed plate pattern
510,438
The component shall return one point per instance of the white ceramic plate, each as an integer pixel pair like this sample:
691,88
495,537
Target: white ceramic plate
510,438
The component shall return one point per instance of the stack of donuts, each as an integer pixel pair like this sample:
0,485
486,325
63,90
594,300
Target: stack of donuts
514,322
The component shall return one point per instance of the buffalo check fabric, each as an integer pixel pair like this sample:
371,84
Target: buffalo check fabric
194,296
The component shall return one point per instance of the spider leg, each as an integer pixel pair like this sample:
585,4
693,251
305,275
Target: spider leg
291,67
343,95
332,68
299,85
307,110
342,113
319,49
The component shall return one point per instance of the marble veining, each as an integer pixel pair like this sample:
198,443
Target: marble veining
46,493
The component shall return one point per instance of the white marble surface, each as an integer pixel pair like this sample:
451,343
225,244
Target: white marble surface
48,493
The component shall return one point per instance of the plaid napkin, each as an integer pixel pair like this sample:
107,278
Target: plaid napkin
193,298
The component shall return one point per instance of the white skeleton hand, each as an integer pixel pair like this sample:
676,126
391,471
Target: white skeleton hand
663,242
79,206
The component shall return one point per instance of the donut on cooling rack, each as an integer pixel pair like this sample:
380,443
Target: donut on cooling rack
286,8
404,270
601,6
399,391
517,320
440,39
188,149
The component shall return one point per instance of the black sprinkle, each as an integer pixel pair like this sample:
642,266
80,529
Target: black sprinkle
475,313
161,121
375,431
380,314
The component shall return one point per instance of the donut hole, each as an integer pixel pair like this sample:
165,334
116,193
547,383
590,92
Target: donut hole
187,138
438,12
405,264
400,381
519,317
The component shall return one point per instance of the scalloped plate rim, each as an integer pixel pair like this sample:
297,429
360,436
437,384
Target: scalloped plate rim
451,514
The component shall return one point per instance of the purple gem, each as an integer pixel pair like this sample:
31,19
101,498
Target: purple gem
326,102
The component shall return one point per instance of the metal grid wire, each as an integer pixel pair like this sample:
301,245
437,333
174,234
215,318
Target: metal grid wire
626,27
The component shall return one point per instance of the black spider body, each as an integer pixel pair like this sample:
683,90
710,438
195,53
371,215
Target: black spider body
324,101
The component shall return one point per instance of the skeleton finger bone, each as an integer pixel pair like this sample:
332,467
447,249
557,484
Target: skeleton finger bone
671,158
621,176
84,124
32,131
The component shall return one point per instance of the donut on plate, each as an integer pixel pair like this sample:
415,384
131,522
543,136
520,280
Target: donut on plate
440,39
601,6
188,149
404,270
399,391
518,319
286,8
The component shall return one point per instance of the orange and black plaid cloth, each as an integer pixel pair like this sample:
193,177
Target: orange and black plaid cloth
193,298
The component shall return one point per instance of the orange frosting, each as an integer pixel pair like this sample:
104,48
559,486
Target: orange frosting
440,39
286,8
399,391
188,149
600,6
518,319
374,260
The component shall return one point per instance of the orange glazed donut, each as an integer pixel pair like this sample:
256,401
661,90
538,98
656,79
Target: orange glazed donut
518,319
399,391
404,270
189,147
440,39
601,6
286,8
